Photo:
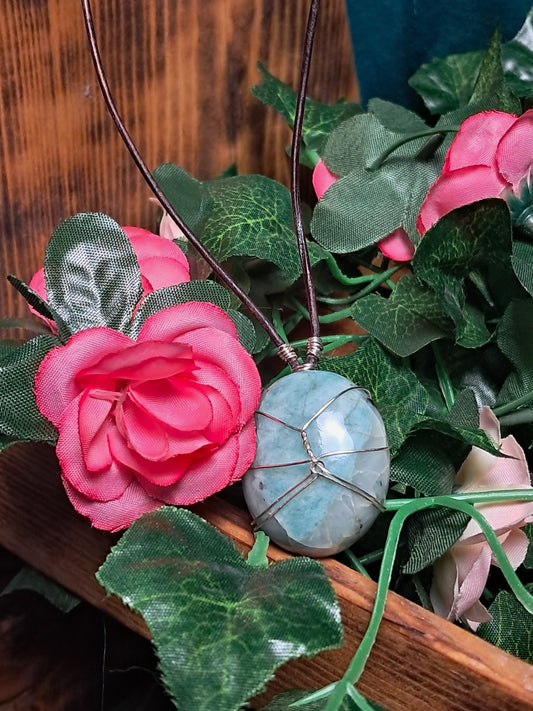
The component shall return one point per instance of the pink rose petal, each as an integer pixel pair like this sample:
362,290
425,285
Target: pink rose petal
397,246
323,178
514,154
457,188
477,139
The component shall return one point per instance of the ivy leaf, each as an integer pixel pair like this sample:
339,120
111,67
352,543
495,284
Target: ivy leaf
424,463
430,534
21,419
491,81
197,290
522,263
243,215
319,119
187,195
511,627
396,118
467,239
28,578
516,321
410,318
447,83
397,393
221,627
517,59
92,275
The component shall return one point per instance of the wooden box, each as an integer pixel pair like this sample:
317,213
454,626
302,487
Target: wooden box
181,72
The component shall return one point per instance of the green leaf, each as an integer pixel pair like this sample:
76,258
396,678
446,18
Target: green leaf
367,203
244,215
528,560
430,534
511,627
245,331
470,238
517,59
491,81
395,390
31,296
424,463
189,197
319,119
396,118
447,83
515,323
30,579
410,318
252,216
92,275
20,418
221,627
522,263
199,290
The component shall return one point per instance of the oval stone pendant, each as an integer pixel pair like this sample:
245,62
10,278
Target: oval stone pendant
321,469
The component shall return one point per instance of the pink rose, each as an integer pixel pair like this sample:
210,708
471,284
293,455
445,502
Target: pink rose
161,262
396,246
460,575
167,418
490,156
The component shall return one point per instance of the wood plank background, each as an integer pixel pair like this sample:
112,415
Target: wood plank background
180,72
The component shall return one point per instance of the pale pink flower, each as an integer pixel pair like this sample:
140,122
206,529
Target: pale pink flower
460,575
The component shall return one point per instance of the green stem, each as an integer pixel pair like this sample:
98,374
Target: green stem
278,324
526,399
371,557
356,563
521,417
470,497
406,139
336,272
357,665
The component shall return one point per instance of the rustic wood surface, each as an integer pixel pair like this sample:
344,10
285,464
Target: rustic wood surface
419,663
180,70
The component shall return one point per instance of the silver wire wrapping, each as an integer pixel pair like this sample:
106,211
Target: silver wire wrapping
314,350
317,468
287,353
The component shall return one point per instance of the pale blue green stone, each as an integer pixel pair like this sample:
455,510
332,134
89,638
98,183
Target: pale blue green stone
326,517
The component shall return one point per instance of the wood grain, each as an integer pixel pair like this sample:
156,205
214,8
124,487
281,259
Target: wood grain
180,70
420,662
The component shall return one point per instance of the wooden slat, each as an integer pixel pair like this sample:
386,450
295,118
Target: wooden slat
420,662
181,71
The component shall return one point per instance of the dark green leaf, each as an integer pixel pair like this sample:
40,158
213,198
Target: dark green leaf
490,81
396,118
511,627
395,390
517,59
522,262
92,275
470,238
447,83
200,290
245,330
20,419
220,626
30,579
430,534
319,119
410,318
188,196
251,216
31,296
515,323
424,463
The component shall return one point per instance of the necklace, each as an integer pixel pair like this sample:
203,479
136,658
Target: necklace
321,469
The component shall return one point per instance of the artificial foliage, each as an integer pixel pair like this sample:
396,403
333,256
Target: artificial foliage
439,339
